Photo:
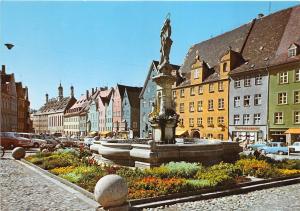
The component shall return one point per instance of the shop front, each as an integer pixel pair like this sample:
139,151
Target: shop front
251,133
278,135
292,135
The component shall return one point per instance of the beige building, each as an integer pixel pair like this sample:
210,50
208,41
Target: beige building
50,117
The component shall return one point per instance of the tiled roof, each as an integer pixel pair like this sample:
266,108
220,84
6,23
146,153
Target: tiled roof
211,50
264,40
55,105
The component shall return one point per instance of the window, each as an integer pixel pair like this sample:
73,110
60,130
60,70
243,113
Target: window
257,99
196,73
210,136
246,119
237,83
181,107
297,75
258,80
199,121
297,117
220,136
296,97
210,121
220,86
247,100
247,81
283,78
200,90
237,101
191,106
174,94
211,87
220,120
225,67
278,118
191,122
236,119
282,98
256,119
292,52
181,92
200,105
221,103
192,91
210,105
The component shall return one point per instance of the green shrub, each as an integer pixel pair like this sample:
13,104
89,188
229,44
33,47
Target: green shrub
216,178
72,177
230,169
160,172
183,169
289,164
198,184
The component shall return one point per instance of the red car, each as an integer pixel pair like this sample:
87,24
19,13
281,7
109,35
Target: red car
10,140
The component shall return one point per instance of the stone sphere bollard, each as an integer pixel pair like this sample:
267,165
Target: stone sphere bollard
18,153
111,191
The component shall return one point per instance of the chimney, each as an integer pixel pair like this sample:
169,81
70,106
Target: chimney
72,92
93,91
87,94
260,15
26,92
47,98
3,69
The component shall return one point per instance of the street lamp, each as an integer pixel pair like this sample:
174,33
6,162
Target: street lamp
9,45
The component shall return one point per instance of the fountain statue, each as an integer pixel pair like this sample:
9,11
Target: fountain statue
163,117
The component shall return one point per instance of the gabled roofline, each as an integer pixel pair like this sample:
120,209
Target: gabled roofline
148,76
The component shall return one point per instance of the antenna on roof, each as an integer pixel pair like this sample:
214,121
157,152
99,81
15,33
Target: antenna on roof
270,4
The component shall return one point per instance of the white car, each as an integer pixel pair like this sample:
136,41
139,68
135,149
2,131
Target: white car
295,147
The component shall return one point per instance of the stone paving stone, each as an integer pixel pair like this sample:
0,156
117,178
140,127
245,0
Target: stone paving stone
24,190
284,198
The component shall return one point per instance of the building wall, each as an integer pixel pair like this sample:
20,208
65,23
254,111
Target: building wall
288,109
109,116
71,125
82,124
93,116
56,122
257,131
126,113
116,109
146,101
187,116
102,115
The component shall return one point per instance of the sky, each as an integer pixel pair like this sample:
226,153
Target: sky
92,44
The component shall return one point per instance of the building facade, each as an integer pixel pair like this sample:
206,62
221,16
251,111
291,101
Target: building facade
131,111
147,97
103,103
50,117
14,104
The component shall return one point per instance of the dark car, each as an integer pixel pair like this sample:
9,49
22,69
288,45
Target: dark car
10,140
50,145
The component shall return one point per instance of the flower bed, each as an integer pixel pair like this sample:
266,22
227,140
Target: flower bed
79,168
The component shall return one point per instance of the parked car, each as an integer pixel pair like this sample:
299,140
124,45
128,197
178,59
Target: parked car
274,148
256,145
49,145
295,147
67,142
10,140
35,139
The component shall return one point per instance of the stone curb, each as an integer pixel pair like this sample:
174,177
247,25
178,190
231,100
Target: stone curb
245,188
81,193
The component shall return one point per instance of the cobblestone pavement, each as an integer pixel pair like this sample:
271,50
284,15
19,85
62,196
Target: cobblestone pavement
284,198
22,190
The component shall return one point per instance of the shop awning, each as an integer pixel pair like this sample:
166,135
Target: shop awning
180,132
93,133
103,133
293,131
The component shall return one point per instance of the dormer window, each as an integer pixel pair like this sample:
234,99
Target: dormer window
292,51
225,67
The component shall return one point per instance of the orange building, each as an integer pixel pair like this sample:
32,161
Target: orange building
202,99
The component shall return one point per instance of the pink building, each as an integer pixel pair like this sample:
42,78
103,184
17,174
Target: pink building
103,100
117,106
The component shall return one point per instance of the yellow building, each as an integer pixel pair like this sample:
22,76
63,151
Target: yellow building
202,99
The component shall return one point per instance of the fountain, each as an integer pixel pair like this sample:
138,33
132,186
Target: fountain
163,118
